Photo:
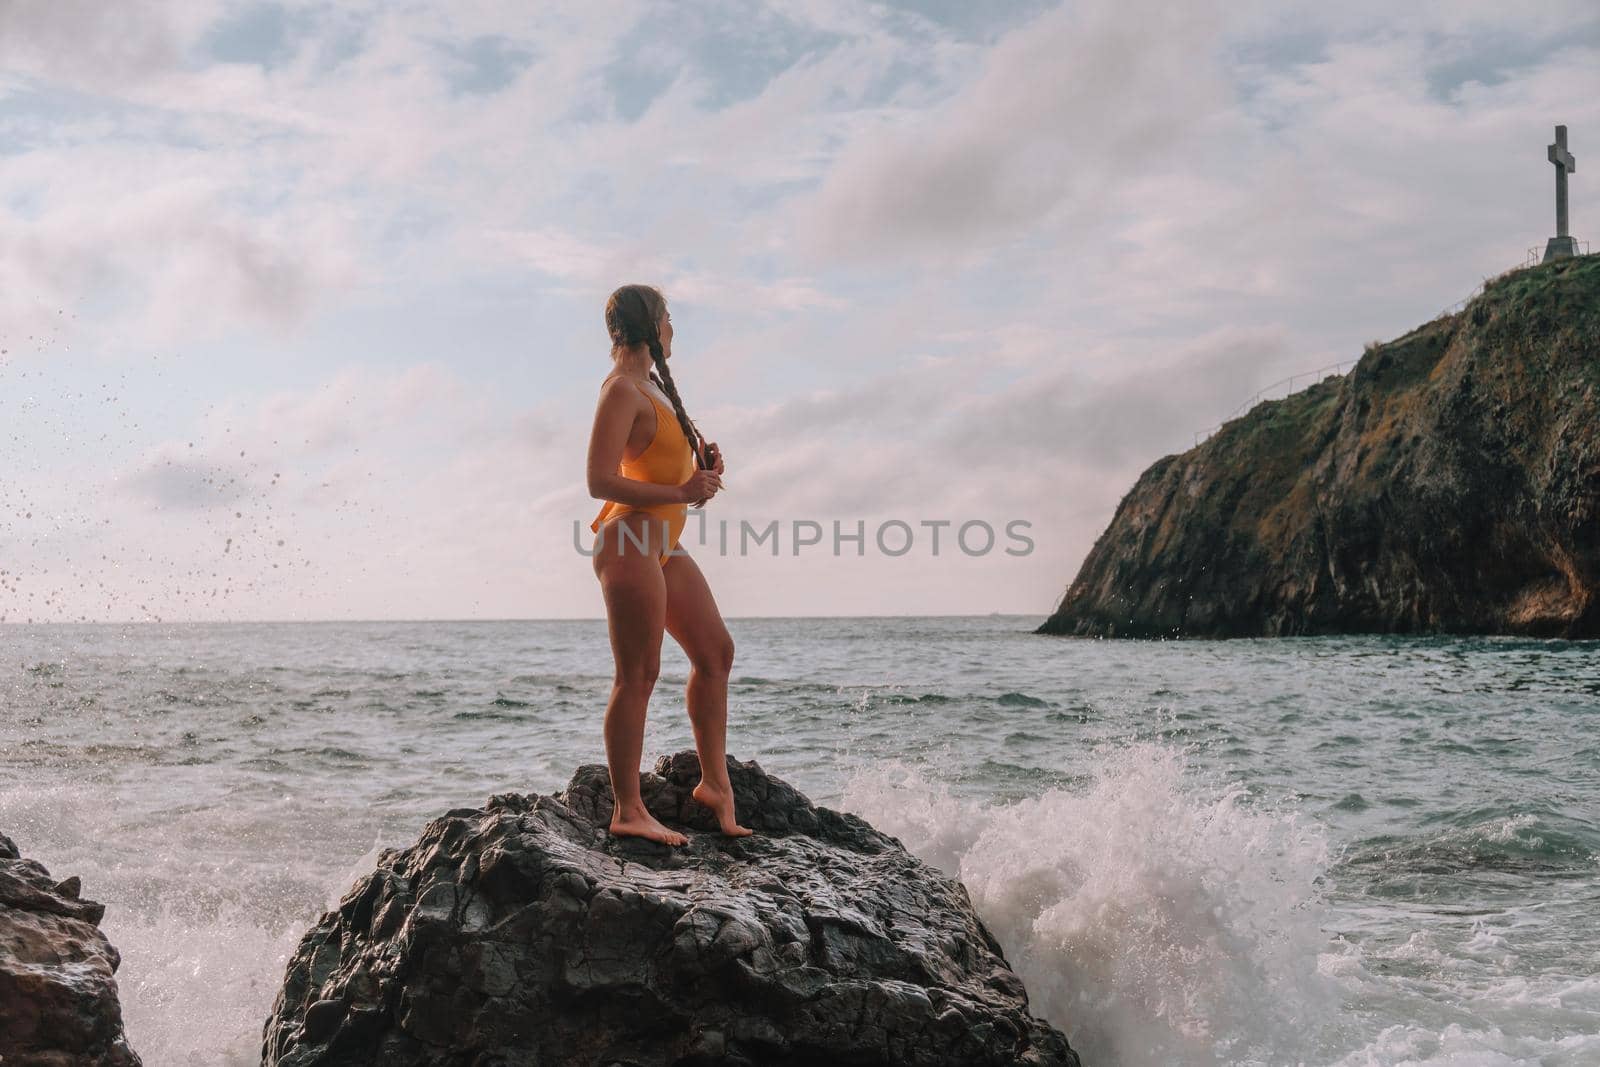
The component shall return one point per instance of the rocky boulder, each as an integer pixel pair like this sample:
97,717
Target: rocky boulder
521,934
58,991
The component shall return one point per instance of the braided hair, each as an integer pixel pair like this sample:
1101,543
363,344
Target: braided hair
633,315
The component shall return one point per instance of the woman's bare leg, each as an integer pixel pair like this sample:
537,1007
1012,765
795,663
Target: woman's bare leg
695,623
636,598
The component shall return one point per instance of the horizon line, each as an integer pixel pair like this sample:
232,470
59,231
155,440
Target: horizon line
553,618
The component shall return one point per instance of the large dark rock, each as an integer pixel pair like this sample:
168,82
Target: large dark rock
1450,483
58,991
523,934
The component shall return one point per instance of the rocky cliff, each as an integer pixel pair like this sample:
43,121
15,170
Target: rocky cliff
1449,483
58,991
523,934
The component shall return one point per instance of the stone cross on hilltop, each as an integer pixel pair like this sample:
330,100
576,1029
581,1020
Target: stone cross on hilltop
1561,244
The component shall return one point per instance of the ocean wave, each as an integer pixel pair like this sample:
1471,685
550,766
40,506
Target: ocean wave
1464,1046
203,932
909,698
1523,842
194,985
1155,916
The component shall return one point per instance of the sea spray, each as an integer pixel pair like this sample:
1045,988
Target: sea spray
201,971
203,927
1157,915
195,988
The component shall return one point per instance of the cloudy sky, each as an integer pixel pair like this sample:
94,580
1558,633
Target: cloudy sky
300,303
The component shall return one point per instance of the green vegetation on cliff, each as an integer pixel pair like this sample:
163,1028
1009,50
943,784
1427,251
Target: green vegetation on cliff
1449,483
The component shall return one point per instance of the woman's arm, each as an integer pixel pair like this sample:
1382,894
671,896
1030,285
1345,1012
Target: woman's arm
613,421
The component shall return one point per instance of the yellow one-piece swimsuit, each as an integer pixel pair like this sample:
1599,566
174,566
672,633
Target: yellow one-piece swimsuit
666,460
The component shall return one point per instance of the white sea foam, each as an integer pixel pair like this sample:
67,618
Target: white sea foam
199,979
1459,1046
204,936
196,990
1155,916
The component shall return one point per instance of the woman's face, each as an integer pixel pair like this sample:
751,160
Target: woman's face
665,331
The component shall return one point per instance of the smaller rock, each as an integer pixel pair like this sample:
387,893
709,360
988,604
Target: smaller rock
58,990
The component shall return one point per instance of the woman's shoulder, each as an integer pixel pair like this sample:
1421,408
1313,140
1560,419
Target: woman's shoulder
639,391
613,384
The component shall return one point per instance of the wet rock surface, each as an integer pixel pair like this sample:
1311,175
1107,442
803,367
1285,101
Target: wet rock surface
523,934
1449,483
58,990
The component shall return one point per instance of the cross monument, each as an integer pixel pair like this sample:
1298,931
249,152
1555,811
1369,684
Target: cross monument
1562,243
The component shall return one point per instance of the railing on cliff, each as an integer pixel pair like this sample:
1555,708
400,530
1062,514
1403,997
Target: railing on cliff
1287,384
1536,253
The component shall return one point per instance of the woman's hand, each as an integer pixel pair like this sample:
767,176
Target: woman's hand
701,486
716,455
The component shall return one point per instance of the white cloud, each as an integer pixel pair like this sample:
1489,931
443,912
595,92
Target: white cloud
1080,99
97,46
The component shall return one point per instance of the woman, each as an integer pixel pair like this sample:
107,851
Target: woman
648,462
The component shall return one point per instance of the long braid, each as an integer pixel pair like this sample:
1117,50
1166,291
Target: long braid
663,378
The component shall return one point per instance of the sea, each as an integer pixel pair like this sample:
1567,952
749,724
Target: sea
1343,851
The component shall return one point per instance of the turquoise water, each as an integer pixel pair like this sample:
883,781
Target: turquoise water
1325,851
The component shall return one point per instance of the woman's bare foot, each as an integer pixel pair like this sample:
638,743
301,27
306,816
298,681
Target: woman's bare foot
720,801
642,824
